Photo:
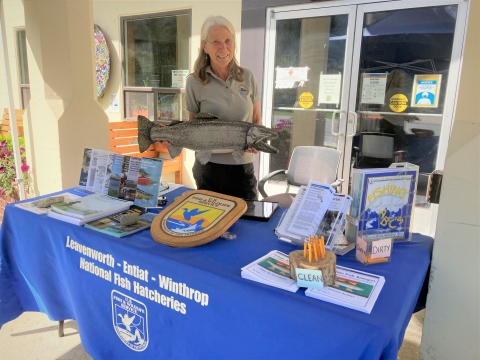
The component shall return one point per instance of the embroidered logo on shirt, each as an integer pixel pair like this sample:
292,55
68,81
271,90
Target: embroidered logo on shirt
243,90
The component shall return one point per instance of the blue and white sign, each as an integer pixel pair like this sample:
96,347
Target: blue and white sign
426,90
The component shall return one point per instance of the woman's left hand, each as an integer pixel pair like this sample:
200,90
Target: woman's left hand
251,150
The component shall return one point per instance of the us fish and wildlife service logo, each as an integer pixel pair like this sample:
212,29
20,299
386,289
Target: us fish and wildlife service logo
243,90
130,321
193,218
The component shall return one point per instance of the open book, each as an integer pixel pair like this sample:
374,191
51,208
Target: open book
316,210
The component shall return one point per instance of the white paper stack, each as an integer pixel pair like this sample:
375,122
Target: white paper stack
272,269
354,289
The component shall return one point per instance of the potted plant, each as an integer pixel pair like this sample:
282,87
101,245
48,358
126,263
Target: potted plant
139,109
8,185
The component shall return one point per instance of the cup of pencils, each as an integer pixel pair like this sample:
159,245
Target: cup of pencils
314,257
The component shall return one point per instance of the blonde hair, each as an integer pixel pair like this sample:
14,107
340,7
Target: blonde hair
395,78
203,60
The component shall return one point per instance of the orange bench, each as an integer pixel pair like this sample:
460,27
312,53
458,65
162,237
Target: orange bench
6,127
124,141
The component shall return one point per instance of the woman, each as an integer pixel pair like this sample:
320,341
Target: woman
221,87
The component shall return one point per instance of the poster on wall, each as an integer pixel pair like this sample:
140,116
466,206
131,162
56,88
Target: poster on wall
287,77
329,89
426,90
179,78
373,88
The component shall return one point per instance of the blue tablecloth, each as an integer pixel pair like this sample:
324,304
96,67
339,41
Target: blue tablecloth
209,311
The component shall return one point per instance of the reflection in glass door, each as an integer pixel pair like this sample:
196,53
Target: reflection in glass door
375,81
308,78
401,76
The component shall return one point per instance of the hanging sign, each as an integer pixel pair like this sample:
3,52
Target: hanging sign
287,77
329,91
179,78
373,88
426,89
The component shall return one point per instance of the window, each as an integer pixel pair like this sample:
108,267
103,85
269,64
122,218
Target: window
23,67
155,64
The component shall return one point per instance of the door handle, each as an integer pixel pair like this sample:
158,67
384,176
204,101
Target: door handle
354,122
334,115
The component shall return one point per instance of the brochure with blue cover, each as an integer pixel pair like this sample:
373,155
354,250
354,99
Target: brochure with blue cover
148,183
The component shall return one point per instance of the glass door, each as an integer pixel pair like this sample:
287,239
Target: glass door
375,81
404,79
307,80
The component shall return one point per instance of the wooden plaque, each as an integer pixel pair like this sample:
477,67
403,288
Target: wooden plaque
196,218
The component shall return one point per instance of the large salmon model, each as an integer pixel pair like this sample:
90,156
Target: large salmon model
206,134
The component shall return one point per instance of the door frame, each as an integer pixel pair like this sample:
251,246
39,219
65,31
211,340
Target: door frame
356,9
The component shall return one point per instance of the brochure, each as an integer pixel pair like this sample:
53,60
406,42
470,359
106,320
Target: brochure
318,211
148,183
32,205
88,208
87,153
354,289
272,269
111,224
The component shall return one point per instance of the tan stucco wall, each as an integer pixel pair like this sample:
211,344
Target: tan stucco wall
452,318
107,15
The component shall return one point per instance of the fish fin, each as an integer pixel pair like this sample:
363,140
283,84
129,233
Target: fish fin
237,155
174,151
175,122
203,156
204,115
144,127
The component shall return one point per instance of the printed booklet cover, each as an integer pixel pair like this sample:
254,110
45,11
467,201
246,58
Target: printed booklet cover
148,182
111,224
354,289
386,205
272,269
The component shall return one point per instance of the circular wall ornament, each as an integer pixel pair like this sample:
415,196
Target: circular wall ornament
102,61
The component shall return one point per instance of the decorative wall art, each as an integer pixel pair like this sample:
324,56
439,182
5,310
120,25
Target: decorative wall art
102,61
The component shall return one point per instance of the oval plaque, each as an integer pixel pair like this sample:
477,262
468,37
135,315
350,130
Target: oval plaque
196,218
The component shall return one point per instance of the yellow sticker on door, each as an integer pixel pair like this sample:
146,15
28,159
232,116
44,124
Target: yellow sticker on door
305,100
398,102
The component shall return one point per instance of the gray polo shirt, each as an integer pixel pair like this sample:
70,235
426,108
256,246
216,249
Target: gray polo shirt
228,100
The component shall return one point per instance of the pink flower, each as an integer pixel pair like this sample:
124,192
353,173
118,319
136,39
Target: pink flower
25,168
3,143
2,192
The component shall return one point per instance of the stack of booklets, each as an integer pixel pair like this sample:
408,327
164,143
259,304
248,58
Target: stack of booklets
87,208
316,210
354,289
32,206
272,269
383,202
111,224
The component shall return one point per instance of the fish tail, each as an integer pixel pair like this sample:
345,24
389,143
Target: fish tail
144,127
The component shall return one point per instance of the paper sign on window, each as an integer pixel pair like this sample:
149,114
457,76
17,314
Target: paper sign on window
426,90
179,78
287,77
373,88
329,91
